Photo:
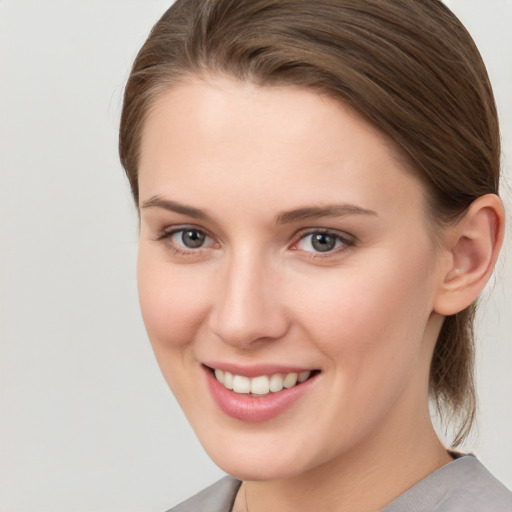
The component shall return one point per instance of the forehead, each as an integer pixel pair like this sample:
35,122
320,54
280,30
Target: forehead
280,143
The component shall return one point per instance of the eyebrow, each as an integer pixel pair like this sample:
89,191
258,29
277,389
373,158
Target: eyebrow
287,217
173,206
316,212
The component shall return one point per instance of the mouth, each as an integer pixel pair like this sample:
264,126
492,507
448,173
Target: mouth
261,385
257,394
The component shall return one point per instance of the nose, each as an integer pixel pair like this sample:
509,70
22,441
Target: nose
247,310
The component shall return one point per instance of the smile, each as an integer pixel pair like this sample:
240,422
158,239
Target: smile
261,385
259,395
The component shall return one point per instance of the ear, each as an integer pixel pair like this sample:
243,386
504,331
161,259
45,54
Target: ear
472,247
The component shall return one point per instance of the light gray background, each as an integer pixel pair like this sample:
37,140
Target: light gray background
87,422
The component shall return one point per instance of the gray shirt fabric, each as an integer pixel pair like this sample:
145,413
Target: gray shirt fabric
463,485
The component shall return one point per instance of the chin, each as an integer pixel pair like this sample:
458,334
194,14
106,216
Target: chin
261,456
243,467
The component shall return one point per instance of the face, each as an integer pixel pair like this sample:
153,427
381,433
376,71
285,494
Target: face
285,254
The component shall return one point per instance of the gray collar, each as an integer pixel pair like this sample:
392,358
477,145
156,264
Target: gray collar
463,485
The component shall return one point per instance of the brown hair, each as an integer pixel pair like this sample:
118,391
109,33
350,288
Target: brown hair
408,66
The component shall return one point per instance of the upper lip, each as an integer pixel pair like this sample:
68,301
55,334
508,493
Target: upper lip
255,370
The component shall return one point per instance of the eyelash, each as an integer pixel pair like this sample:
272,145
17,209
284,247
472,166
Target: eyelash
345,241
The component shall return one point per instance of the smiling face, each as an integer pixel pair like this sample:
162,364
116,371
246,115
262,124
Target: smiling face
285,246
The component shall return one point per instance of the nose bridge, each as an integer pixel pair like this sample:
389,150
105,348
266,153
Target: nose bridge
248,307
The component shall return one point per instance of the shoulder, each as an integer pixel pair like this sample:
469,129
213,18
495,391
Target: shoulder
218,497
464,485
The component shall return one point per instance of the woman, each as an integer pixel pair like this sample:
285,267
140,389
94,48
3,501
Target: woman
317,185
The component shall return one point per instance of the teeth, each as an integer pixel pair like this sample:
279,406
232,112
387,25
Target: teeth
261,385
290,380
228,380
276,382
219,375
241,384
303,376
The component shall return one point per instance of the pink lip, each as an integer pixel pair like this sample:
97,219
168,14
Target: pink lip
255,409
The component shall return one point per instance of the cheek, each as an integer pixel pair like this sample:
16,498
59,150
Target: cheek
172,302
370,329
173,309
372,318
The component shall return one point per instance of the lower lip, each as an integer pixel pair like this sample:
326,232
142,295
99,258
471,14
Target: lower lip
254,409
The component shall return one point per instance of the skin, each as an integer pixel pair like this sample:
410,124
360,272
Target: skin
257,292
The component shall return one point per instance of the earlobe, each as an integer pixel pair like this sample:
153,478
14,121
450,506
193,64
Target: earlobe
473,246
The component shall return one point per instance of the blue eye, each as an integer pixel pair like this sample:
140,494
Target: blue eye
320,241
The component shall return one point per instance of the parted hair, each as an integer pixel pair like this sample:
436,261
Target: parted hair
408,66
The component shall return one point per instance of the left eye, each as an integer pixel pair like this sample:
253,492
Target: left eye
320,242
190,238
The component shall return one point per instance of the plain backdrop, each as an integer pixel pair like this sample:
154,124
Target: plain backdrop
86,421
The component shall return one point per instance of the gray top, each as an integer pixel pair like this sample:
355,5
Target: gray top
463,485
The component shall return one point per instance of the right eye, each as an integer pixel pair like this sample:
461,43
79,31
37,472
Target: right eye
186,239
189,238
